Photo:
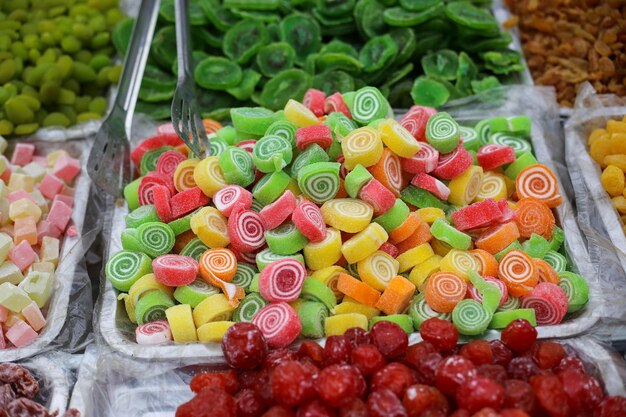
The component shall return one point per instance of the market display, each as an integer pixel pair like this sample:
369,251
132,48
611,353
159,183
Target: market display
251,53
378,374
56,63
36,200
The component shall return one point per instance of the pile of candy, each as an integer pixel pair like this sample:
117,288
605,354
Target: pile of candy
377,374
302,222
36,200
267,52
18,389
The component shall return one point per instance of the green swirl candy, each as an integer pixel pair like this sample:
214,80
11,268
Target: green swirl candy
266,257
512,303
270,187
272,153
519,145
130,240
311,155
483,128
182,224
150,158
557,238
340,125
470,318
195,248
141,215
312,316
156,238
195,292
249,306
286,239
420,311
152,306
284,129
237,166
319,181
471,141
257,205
316,290
556,261
367,104
126,267
243,276
576,289
353,270
442,132
217,145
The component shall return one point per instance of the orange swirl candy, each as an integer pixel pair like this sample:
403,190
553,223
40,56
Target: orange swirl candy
406,229
496,238
389,172
533,216
444,291
538,181
546,272
211,126
518,272
487,261
220,263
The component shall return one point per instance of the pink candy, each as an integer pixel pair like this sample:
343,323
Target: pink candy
153,333
230,196
22,255
453,164
275,214
282,280
66,168
168,161
33,316
378,196
477,295
175,270
50,186
4,314
18,195
426,160
162,203
23,154
432,184
549,302
21,334
335,103
187,201
148,182
494,156
320,134
308,219
415,121
508,214
279,323
246,231
60,214
477,215
45,228
314,100
390,249
67,199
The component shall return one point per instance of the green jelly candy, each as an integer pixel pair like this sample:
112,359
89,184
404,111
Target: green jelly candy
141,215
228,134
377,53
195,292
394,217
340,125
284,129
557,238
536,247
367,104
312,316
270,187
216,145
252,120
302,33
195,248
428,92
217,73
316,290
319,181
275,57
254,284
557,261
181,225
511,303
126,267
356,179
443,231
266,257
576,289
421,198
130,240
420,311
470,317
483,128
442,64
311,155
131,194
244,39
272,153
243,276
334,150
286,239
287,84
520,125
150,158
237,166
519,145
524,160
515,245
152,306
470,138
397,16
402,320
442,132
156,238
249,307
490,293
502,319
256,205
467,15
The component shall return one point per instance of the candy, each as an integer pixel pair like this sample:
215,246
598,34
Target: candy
549,302
378,269
324,253
459,262
21,334
184,175
24,208
195,292
492,186
395,217
533,216
357,290
476,215
285,239
362,146
231,197
364,243
272,153
59,215
537,246
348,215
175,270
299,115
420,311
155,238
338,324
22,255
405,229
314,100
309,220
9,272
194,248
316,290
421,235
376,195
517,270
208,175
187,201
320,135
266,257
398,139
13,298
502,319
246,231
25,228
402,320
396,296
319,181
388,170
237,166
416,119
168,162
537,181
282,280
213,332
329,277
154,333
181,323
279,323
426,160
470,318
249,307
576,289
493,156
546,272
152,307
498,237
476,293
512,303
523,161
421,198
141,215
367,104
443,231
356,179
513,246
243,276
444,291
211,227
453,164
218,263
38,286
612,180
311,155
312,316
284,129
442,132
150,158
126,267
270,187
274,214
414,256
431,184
213,308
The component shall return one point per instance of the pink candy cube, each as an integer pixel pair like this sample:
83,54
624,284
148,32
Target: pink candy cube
45,228
23,154
66,168
3,343
41,160
60,214
33,316
4,313
6,175
50,186
22,255
21,334
67,199
18,195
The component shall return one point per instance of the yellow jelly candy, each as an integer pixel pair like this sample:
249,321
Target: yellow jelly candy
338,324
53,156
142,286
293,187
612,179
617,143
209,176
364,243
614,126
325,253
213,308
50,249
414,256
492,186
510,186
298,114
596,134
21,182
213,332
430,214
181,323
296,304
211,227
441,248
420,273
378,269
347,214
362,146
465,187
329,277
183,175
618,160
350,305
24,207
398,139
459,262
599,149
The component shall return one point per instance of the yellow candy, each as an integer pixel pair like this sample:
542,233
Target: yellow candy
43,267
492,186
325,253
612,179
49,251
347,214
617,143
298,114
211,227
213,332
338,324
293,187
21,182
420,273
618,160
209,176
53,156
181,323
183,176
398,139
414,256
213,308
430,214
349,305
364,243
362,146
459,262
142,286
599,149
510,186
24,207
439,247
598,133
378,269
465,187
614,126
329,276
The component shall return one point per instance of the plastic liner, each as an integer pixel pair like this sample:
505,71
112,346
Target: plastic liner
70,307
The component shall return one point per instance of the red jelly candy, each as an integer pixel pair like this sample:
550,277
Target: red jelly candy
175,270
150,180
478,393
162,202
549,302
244,346
308,219
320,134
246,231
314,100
453,164
415,121
522,368
477,215
279,323
335,103
232,196
494,156
426,160
390,248
508,214
154,142
187,201
276,213
378,196
168,161
432,184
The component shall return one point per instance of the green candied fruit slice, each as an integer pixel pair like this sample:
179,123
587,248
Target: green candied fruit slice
163,49
333,81
244,39
217,73
397,16
252,5
335,7
442,64
368,16
466,72
407,44
156,111
468,15
503,62
275,57
243,91
428,92
484,84
398,75
336,61
419,5
287,84
377,53
196,57
252,120
302,33
221,17
337,46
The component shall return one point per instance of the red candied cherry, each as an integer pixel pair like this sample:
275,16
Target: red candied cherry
226,380
452,372
357,336
427,367
478,351
338,385
315,408
433,413
395,377
263,387
337,350
222,405
416,352
519,335
384,403
279,411
248,405
247,379
367,359
292,384
495,372
513,412
461,413
522,368
244,346
277,356
610,407
355,408
441,333
311,350
550,395
547,355
502,355
570,363
421,398
519,394
478,393
583,392
390,339
486,412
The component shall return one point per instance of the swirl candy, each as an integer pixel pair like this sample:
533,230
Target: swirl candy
406,228
142,286
266,257
213,308
209,176
388,170
310,155
364,243
249,307
181,323
420,272
470,318
285,239
367,104
498,237
538,181
313,316
155,238
556,261
420,311
549,302
211,227
282,280
218,263
398,139
284,129
362,146
274,214
183,175
320,135
279,323
175,270
325,253
533,216
319,181
477,295
444,291
492,186
432,185
453,164
376,195
459,262
232,196
168,162
314,100
125,267
356,179
519,145
494,156
518,272
246,231
546,272
442,132
512,303
148,183
378,269
272,153
195,292
576,290
346,214
315,290
470,138
426,160
152,307
416,120
237,166
477,215
270,187
329,277
153,333
465,187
